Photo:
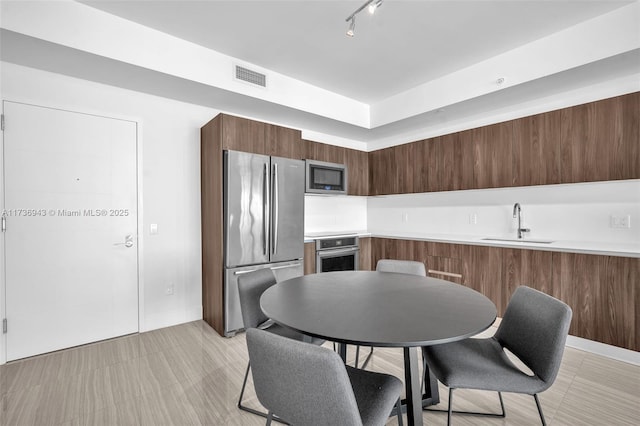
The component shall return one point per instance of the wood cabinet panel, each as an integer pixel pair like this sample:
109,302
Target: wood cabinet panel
382,173
404,170
309,258
492,156
324,152
212,224
531,268
601,290
450,169
242,134
365,254
283,142
482,271
600,140
536,149
620,118
358,169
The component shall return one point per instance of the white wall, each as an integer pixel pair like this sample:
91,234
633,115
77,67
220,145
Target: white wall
334,214
169,146
575,212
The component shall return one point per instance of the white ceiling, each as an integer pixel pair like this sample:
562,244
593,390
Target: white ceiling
415,69
404,44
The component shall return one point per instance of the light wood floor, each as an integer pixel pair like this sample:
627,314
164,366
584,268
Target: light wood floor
188,375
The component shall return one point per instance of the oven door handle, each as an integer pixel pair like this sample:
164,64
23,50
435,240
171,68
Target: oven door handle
333,253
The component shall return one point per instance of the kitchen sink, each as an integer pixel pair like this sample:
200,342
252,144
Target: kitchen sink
521,240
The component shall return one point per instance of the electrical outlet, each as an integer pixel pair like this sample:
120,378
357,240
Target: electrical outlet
473,219
620,221
169,290
405,217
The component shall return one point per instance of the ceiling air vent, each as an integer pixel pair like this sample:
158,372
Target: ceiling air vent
250,76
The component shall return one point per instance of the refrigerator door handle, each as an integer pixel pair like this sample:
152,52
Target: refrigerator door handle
274,217
265,176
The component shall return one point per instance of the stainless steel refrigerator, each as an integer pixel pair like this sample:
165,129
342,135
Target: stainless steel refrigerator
263,222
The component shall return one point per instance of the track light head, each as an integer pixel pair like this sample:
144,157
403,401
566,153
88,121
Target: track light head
374,5
352,27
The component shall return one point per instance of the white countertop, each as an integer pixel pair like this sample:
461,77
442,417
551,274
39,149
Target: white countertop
586,247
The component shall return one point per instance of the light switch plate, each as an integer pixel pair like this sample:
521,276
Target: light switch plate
153,229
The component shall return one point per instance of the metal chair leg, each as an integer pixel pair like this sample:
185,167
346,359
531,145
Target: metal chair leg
449,409
244,384
268,416
450,406
399,411
535,396
357,356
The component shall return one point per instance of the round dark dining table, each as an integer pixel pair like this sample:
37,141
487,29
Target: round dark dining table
382,309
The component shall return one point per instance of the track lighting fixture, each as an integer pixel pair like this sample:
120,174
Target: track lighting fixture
372,5
352,26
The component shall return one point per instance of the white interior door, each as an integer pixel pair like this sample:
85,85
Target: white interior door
71,228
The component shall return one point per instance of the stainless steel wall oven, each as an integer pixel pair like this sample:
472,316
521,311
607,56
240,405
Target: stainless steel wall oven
337,254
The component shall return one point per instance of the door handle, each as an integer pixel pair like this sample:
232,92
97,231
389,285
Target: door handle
128,241
275,215
265,176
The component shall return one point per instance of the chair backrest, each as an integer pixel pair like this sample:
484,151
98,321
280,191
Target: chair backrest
250,287
301,383
401,266
535,327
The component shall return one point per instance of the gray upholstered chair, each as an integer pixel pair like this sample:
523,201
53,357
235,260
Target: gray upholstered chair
250,287
305,384
534,328
401,267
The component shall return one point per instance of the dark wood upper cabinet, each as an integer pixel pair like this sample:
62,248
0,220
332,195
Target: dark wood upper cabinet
600,140
242,134
383,175
491,156
324,152
283,142
536,149
358,169
597,141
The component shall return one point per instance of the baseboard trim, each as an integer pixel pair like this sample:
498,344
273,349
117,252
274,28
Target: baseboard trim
609,351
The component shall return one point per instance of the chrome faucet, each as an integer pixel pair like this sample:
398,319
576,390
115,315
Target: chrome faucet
517,212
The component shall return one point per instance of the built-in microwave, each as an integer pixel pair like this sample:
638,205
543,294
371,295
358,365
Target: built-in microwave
325,178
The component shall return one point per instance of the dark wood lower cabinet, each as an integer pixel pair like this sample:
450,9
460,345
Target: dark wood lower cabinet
309,258
603,291
365,254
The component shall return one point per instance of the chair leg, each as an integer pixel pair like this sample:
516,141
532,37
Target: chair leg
244,384
450,406
269,417
399,411
535,396
366,361
449,410
251,410
357,356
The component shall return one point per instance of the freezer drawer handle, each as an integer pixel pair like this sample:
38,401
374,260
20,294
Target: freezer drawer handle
274,268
